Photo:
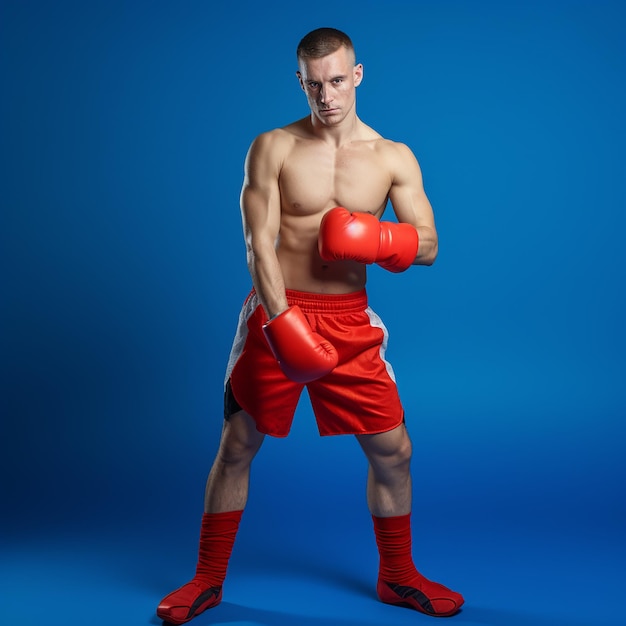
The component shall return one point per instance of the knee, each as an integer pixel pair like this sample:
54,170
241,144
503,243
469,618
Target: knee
405,451
402,455
234,452
395,460
239,445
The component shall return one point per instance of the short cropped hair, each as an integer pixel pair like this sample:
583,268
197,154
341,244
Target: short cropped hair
322,42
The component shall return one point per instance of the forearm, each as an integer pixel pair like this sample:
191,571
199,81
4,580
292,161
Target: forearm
428,246
267,278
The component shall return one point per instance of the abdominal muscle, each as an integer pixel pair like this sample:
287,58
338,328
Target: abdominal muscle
315,176
302,267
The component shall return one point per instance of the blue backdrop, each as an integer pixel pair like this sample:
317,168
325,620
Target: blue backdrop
124,126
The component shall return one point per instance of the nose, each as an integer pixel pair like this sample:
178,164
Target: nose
326,94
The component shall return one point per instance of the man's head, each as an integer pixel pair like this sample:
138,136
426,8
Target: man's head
322,42
328,74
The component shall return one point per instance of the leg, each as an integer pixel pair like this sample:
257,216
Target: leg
225,497
389,500
389,476
227,485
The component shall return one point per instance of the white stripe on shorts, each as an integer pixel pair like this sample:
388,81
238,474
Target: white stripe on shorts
242,333
377,322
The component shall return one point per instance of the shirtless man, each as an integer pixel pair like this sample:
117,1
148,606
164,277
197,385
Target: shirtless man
312,198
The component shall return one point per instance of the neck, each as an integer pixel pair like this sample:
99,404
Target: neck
338,134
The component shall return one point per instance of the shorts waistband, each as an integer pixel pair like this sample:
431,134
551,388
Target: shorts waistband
328,303
309,302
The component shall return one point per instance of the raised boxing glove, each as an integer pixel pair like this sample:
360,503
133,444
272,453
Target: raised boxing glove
302,354
364,238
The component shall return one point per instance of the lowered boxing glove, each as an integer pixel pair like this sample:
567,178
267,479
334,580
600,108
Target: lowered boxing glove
362,237
303,355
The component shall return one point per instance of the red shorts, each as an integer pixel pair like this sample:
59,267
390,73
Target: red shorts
358,397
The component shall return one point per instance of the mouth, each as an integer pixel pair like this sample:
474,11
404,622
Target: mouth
328,111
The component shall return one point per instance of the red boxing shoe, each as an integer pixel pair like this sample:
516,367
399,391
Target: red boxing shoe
399,582
186,602
204,591
426,597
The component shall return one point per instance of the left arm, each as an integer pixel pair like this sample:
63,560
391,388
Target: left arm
410,203
361,237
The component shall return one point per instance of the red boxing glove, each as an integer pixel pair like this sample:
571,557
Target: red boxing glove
362,237
303,355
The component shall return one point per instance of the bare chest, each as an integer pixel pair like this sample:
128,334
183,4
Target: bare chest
316,178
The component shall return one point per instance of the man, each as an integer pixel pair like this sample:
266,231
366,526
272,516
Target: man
311,201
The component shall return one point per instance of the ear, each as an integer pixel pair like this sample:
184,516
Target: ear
299,75
358,74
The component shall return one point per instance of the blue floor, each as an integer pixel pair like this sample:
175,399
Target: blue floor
306,555
508,579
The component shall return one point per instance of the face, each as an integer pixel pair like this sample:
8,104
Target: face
330,85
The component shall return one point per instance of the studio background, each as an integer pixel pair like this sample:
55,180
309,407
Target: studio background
124,127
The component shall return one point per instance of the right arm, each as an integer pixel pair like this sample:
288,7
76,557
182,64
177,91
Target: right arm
261,210
302,354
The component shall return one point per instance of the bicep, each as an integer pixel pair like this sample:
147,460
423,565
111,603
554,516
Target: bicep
260,195
407,195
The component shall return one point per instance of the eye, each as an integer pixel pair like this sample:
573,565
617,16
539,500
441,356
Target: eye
313,85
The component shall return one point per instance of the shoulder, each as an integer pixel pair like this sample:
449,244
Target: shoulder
398,156
395,149
401,162
267,152
388,148
269,141
282,137
275,145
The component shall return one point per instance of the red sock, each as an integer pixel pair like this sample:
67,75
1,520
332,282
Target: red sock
398,580
217,536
